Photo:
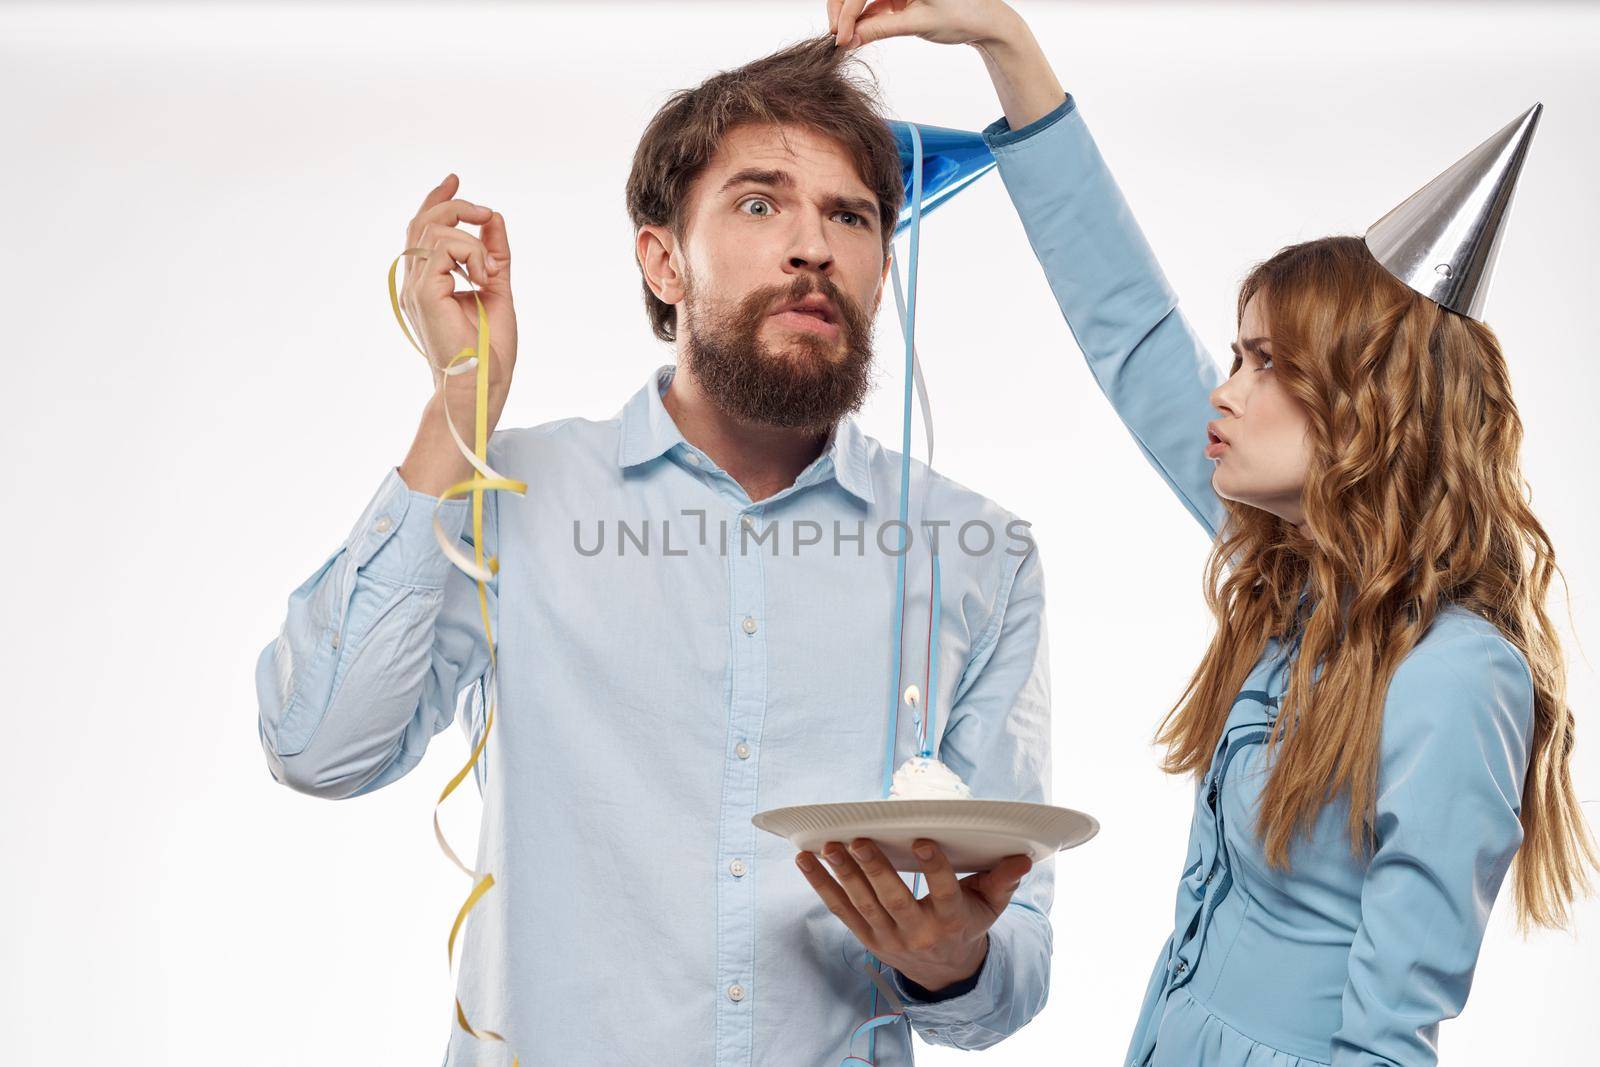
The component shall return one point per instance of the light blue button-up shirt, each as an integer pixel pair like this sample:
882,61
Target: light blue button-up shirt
1340,960
672,658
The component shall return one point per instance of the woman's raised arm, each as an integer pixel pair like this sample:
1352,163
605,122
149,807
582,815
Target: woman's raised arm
1118,304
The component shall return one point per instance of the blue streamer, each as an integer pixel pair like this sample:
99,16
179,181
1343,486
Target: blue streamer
928,698
898,625
955,158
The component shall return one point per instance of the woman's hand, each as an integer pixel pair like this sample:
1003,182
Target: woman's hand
1028,89
974,22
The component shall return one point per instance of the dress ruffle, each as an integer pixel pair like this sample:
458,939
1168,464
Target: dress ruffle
1191,1034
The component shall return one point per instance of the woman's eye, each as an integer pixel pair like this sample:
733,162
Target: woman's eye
1266,362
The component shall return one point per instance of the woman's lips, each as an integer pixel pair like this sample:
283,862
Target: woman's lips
1215,446
801,320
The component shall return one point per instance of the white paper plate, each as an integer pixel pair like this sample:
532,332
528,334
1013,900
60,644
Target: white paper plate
975,834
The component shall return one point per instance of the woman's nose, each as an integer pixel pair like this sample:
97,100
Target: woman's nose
1221,399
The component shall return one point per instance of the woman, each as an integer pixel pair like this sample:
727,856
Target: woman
1379,724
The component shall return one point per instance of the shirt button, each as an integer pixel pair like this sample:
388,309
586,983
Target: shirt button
737,868
692,458
335,640
383,524
749,624
749,523
1210,877
1181,967
742,750
736,993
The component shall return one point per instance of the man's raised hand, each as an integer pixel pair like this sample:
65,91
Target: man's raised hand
446,320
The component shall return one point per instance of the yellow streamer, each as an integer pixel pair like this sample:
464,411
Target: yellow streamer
487,478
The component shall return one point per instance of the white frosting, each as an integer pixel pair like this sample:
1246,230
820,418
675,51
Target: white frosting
925,778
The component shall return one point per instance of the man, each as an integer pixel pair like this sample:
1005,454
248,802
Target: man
692,617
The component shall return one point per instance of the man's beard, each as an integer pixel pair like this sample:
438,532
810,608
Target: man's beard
810,383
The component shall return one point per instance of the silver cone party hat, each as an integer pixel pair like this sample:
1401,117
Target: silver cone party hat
1443,240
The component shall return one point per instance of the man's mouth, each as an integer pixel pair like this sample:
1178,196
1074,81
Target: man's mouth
814,303
807,320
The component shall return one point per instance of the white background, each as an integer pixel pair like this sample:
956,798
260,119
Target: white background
207,384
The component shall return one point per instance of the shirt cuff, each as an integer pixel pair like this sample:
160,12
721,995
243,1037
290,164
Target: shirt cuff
976,1001
914,991
394,538
999,134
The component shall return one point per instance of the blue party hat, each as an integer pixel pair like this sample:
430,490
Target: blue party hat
951,160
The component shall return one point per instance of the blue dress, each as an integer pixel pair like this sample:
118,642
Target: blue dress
1341,959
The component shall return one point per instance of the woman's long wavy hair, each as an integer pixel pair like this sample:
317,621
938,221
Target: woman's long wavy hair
1414,499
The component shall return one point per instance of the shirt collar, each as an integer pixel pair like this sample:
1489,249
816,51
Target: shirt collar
648,432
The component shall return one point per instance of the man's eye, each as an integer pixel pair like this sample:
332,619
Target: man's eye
858,220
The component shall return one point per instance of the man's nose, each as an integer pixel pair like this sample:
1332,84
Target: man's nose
809,247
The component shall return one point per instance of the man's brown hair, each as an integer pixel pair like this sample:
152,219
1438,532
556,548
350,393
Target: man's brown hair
806,85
